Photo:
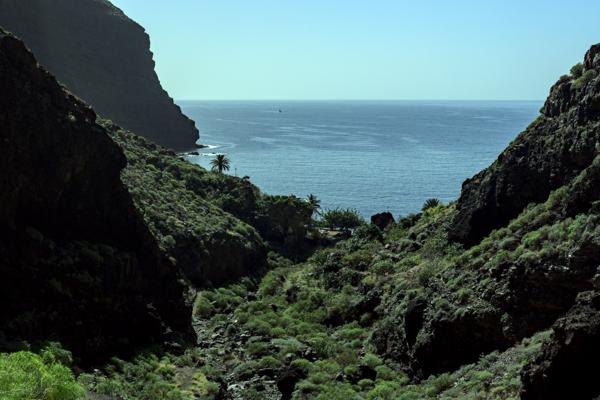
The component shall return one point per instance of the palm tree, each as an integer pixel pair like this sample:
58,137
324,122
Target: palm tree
220,163
431,203
314,203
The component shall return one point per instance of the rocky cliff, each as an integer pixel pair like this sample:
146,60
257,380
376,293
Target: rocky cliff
103,57
77,262
552,151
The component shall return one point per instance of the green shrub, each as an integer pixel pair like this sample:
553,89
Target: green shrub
383,267
585,78
577,70
270,284
385,373
371,360
203,308
369,233
440,383
269,362
384,391
365,384
426,273
205,388
342,219
27,376
359,260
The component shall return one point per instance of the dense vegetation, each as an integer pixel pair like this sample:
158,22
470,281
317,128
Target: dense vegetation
313,323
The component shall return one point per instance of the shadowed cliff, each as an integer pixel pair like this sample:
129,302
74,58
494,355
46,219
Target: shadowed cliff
553,150
104,57
77,262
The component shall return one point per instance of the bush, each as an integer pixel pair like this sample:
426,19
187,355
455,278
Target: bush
368,233
27,376
271,284
577,70
585,78
342,219
365,384
371,360
203,308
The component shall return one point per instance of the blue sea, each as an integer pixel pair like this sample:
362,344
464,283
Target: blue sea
370,155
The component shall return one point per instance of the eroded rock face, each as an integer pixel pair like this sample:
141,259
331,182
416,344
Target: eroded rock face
565,367
103,57
78,264
554,149
426,343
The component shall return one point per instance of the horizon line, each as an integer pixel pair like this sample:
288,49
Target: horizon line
340,100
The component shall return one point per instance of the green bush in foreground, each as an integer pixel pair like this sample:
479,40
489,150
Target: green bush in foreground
28,376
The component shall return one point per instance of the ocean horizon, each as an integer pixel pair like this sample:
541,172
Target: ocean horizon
372,155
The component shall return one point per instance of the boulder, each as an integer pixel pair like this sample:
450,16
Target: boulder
382,220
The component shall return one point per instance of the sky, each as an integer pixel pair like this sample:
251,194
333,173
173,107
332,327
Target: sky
369,49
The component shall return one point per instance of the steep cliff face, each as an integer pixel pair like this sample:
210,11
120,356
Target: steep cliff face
552,151
103,57
76,260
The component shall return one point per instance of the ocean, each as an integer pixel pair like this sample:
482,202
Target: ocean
370,155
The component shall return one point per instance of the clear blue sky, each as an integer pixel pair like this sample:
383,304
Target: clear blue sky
369,49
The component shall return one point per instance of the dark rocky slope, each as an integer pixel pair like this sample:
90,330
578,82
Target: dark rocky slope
565,366
552,151
103,57
77,262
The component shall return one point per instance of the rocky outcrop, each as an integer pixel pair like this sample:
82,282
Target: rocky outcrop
77,262
565,367
553,150
426,341
103,57
382,220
